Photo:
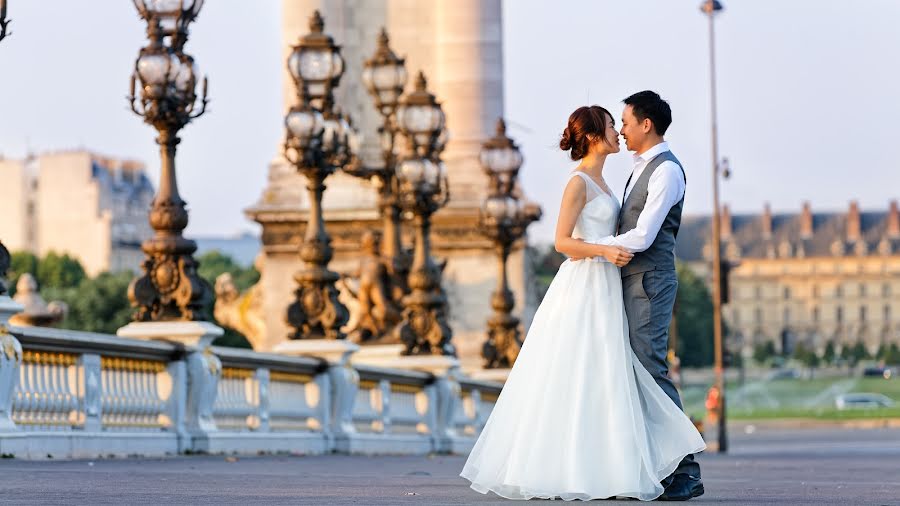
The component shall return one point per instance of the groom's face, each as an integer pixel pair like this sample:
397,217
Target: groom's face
633,130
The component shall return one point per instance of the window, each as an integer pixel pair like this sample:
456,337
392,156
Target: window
787,315
862,314
815,314
839,315
838,292
757,292
787,292
886,290
815,290
887,313
862,290
758,315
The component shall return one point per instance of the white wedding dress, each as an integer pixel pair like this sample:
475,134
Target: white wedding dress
579,417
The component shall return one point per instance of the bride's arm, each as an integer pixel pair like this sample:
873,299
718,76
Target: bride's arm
572,203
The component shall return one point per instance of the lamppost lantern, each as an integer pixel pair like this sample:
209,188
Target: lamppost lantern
501,159
173,17
316,64
385,76
421,119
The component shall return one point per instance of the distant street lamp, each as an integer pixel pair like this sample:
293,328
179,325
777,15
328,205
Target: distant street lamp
170,288
385,77
319,141
3,24
423,189
504,219
710,8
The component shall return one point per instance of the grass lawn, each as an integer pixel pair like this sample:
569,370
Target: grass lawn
797,398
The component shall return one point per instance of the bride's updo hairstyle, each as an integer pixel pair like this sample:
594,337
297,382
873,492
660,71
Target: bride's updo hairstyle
583,122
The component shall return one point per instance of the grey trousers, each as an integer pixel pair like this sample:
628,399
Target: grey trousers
649,300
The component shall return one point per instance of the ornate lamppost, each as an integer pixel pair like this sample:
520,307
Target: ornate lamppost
318,142
4,23
170,288
504,218
423,189
385,77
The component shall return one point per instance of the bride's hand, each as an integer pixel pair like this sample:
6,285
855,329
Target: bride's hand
617,255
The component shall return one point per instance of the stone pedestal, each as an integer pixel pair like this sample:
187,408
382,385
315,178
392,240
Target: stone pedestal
197,428
10,361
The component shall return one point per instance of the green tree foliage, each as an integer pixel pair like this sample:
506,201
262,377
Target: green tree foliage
20,263
829,354
694,320
98,304
59,271
854,354
889,354
214,263
806,356
763,352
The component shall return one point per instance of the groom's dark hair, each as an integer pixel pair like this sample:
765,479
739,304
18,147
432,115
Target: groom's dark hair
648,104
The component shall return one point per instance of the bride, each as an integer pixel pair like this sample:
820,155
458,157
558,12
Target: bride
579,417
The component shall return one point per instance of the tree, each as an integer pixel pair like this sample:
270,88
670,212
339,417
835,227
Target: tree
97,304
829,354
892,355
806,356
854,354
763,352
59,271
694,320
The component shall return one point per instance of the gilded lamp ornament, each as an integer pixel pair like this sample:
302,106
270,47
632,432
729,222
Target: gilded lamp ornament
504,218
169,288
385,76
423,189
318,141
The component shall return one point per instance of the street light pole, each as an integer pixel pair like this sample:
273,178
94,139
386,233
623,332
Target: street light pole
710,8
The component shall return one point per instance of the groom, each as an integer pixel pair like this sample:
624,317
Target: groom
648,223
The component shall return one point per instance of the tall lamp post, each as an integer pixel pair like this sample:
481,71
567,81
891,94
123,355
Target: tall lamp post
385,77
504,219
318,142
423,189
170,288
710,8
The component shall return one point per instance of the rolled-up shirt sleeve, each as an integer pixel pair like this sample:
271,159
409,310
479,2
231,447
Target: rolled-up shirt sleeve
664,190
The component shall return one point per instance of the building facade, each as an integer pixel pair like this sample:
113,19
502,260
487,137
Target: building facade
806,277
459,47
92,207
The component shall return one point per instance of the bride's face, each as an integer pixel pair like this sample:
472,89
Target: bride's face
610,144
612,135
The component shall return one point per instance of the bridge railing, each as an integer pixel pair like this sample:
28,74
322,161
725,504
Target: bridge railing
70,394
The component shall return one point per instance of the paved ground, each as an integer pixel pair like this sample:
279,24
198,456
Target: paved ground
768,466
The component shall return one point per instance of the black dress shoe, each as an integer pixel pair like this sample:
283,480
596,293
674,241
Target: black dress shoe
682,488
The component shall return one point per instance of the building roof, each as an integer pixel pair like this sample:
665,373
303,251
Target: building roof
832,234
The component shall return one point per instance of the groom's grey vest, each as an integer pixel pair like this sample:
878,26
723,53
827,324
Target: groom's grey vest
661,254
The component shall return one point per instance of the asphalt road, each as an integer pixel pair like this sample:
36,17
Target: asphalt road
771,465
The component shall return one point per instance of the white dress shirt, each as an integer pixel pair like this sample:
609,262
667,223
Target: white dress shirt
664,190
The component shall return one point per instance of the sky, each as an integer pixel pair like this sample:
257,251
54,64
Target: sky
808,105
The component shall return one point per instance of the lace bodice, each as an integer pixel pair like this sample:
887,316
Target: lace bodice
598,217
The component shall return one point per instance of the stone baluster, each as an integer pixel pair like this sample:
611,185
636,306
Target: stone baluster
91,404
262,408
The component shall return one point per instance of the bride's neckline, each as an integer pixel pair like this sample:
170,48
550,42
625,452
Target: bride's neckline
604,188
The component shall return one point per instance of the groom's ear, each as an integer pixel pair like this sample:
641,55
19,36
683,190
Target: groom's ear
647,125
